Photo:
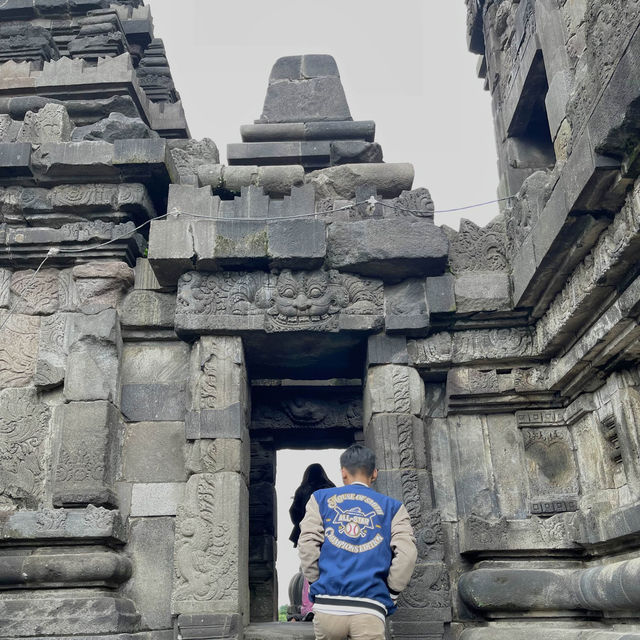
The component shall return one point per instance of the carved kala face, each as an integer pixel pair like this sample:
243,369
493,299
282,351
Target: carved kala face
303,298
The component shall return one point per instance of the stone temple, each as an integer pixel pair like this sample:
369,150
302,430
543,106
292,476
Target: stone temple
167,324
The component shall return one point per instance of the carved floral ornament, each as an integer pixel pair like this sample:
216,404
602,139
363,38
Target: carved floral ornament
289,301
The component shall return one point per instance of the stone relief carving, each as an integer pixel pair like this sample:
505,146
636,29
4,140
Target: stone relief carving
98,517
478,345
429,588
418,201
18,349
81,463
36,294
401,390
205,550
208,389
24,422
306,408
475,248
290,301
486,532
430,537
51,520
50,365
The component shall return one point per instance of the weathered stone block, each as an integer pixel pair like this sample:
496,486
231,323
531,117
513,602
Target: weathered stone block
33,617
153,402
171,249
230,422
341,182
483,291
389,249
212,521
150,547
49,124
145,278
148,309
15,159
406,308
115,127
351,151
188,155
153,381
66,160
297,244
440,294
92,371
229,243
384,349
93,357
84,454
218,383
78,568
156,499
154,452
262,504
309,90
215,626
101,285
393,389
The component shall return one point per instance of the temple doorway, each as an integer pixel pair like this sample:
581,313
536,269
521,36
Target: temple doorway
293,425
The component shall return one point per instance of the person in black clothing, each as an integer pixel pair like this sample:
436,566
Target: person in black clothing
314,478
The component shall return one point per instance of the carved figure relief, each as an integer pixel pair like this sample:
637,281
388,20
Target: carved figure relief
306,408
205,551
24,424
290,301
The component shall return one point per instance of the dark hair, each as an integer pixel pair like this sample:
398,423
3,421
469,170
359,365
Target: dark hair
316,477
358,458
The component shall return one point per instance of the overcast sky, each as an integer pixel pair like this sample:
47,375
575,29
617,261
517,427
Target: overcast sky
403,64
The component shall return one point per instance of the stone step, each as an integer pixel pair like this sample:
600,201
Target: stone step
280,631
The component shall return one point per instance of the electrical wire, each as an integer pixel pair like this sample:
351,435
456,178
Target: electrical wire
372,201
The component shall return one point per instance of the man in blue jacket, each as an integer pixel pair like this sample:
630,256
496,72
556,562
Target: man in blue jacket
358,552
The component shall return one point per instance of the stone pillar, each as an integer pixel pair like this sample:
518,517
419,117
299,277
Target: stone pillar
210,589
393,428
263,532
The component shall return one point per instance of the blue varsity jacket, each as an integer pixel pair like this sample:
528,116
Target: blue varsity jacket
356,554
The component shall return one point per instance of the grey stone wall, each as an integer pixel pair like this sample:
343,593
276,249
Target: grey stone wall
168,323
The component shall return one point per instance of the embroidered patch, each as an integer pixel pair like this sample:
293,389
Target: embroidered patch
354,523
